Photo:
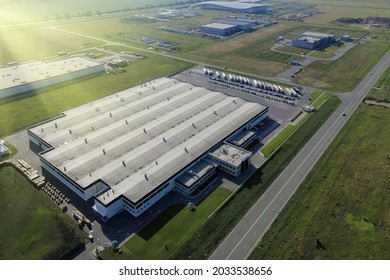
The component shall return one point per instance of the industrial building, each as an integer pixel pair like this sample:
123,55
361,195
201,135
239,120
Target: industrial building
3,149
235,7
225,27
346,38
220,29
313,40
130,149
17,78
244,24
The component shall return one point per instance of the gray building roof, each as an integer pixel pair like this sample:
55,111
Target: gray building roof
231,154
241,138
138,138
216,25
195,173
233,5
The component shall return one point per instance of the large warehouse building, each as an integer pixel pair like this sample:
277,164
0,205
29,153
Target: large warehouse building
130,149
17,78
235,7
313,40
220,29
228,27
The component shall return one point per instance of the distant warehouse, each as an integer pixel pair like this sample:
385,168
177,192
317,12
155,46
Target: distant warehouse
228,27
130,149
220,29
17,78
238,7
313,40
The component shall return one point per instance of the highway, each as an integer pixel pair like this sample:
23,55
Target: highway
239,244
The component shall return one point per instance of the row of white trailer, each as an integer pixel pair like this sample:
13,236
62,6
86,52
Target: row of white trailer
255,83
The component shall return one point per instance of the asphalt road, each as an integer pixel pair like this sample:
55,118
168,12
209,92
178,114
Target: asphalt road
247,234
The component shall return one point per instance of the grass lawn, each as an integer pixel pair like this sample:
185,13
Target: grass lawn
293,50
20,111
341,211
205,241
345,73
328,52
32,227
163,236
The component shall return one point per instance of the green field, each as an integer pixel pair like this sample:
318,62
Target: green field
381,92
32,227
328,52
341,211
334,9
345,73
20,111
42,43
130,30
164,235
205,241
232,52
20,11
293,50
275,56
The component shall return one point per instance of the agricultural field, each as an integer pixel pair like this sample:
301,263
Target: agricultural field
341,211
20,111
32,226
20,11
233,53
42,43
335,9
345,73
130,30
163,236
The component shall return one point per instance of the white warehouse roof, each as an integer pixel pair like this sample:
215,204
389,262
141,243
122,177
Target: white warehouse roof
137,139
20,74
